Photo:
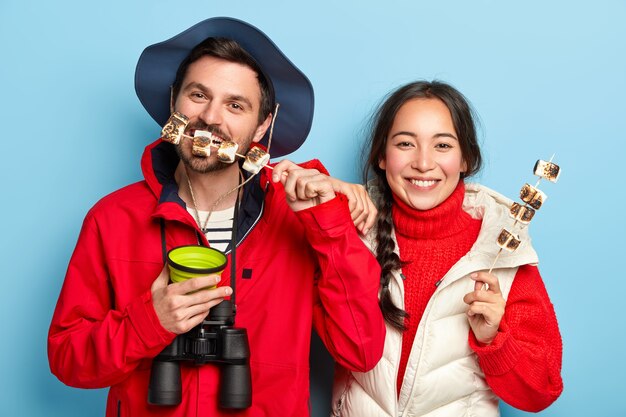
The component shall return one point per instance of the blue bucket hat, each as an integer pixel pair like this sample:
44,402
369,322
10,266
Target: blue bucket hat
158,63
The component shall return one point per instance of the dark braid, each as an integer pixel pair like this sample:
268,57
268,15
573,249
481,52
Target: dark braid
387,258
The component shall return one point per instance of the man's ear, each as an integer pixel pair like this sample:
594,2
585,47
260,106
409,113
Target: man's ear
262,128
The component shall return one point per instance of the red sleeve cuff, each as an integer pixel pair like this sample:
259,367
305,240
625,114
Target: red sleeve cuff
146,323
500,356
331,217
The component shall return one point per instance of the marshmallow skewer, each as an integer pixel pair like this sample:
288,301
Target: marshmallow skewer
533,199
174,130
217,147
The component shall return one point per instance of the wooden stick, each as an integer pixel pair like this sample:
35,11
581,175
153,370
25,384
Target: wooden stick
495,260
485,286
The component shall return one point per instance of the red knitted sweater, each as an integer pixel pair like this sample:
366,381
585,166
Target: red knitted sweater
523,363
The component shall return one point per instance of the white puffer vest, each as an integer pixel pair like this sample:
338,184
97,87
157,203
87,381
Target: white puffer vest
443,377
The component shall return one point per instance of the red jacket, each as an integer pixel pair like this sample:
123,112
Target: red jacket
293,270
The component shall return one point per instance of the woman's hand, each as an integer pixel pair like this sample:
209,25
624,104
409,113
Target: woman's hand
362,209
308,187
304,188
486,306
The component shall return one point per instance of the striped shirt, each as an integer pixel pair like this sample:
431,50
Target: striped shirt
218,230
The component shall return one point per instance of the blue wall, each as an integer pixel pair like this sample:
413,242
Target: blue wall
545,77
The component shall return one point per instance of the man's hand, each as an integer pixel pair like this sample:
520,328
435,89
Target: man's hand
305,188
362,208
486,306
179,310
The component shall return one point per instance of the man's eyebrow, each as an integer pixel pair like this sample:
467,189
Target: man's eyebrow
197,85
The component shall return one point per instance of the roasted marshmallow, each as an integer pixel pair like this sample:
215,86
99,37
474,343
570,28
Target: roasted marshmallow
174,128
256,158
522,214
547,170
227,152
532,196
508,241
201,146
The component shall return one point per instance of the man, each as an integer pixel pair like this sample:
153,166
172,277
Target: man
299,260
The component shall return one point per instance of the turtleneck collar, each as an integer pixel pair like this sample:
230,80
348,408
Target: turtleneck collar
447,219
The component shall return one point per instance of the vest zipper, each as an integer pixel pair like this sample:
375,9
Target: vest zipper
336,412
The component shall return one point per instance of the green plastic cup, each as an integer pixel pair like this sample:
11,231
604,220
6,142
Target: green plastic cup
192,261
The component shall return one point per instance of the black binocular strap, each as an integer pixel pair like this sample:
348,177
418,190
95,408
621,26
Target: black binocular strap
233,248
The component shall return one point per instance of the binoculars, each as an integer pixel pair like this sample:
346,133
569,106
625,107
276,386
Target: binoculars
214,340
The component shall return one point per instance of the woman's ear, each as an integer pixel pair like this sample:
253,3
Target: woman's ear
382,163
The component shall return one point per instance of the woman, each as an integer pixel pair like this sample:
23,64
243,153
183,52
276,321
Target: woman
458,338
